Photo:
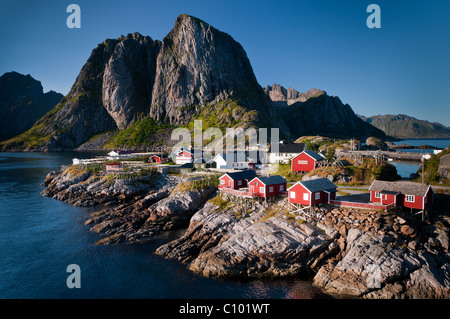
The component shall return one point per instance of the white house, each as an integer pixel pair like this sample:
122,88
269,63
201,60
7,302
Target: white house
286,152
231,160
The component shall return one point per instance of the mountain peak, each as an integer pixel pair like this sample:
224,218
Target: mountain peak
283,97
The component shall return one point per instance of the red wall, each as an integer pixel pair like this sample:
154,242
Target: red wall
299,191
227,182
296,167
417,204
256,189
234,184
156,159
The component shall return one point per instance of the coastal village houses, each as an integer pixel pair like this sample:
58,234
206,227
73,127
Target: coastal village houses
184,156
286,152
232,160
269,186
236,180
306,161
406,194
312,192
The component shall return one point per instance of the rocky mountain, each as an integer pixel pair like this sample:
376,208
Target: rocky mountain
134,90
404,126
195,71
22,103
317,113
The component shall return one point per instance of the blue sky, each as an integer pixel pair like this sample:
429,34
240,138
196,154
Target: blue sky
401,68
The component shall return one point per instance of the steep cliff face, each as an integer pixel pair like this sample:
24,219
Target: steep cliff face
22,103
317,113
128,79
196,71
199,64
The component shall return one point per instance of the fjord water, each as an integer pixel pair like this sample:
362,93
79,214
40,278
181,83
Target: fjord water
40,237
405,169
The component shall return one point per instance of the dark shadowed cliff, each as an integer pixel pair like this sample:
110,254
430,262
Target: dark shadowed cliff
22,103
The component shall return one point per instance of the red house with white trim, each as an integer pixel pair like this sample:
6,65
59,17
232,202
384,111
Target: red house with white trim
114,167
267,186
312,192
406,194
306,161
158,159
236,180
184,157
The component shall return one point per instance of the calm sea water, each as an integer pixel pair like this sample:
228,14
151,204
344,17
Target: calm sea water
404,169
40,237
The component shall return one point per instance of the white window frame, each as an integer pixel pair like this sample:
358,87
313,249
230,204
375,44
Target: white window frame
317,195
306,196
377,195
302,162
292,194
410,198
261,189
281,187
222,182
270,188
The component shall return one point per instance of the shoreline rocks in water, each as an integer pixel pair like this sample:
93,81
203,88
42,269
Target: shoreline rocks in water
361,253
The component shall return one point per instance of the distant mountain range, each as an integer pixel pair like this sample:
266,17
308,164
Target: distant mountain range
316,113
404,126
134,90
22,103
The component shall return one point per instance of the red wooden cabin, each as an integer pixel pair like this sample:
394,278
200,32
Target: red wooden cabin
115,166
306,161
158,159
312,192
236,180
267,186
406,194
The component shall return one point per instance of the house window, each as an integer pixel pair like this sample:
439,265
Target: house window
239,182
302,162
222,181
377,195
409,198
305,196
281,187
317,196
425,199
271,189
256,183
292,194
261,189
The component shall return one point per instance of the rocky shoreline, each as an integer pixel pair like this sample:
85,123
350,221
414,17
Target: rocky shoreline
358,253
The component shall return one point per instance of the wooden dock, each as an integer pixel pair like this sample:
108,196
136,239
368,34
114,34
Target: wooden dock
400,156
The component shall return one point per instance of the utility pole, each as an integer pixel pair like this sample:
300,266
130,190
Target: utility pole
423,164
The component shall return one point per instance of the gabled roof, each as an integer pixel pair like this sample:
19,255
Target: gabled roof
290,148
314,155
249,174
406,188
271,180
316,185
